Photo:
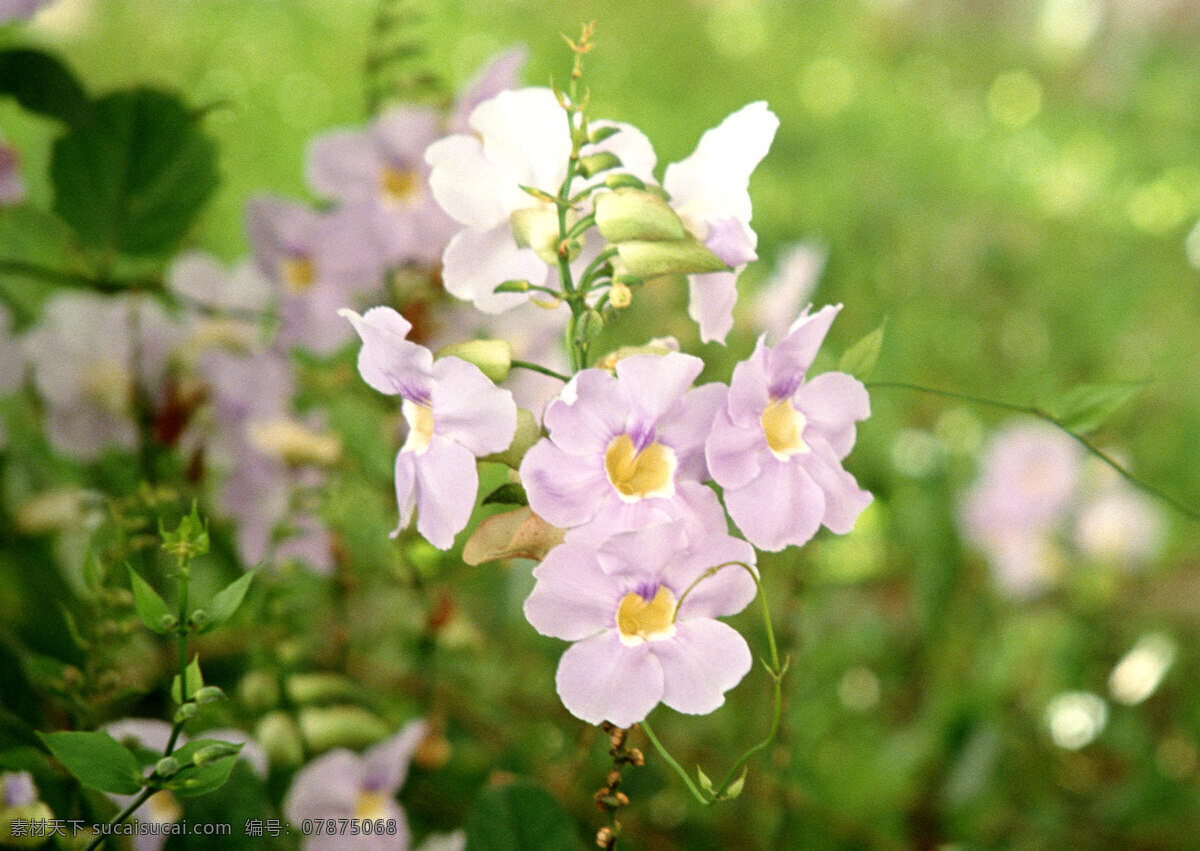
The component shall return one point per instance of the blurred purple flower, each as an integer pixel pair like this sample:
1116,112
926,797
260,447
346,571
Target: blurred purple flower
710,191
777,445
520,139
319,263
12,10
90,355
636,644
17,789
344,785
12,187
454,415
626,451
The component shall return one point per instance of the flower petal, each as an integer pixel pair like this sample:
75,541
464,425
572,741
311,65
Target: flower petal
446,484
689,425
844,499
653,384
725,592
733,452
500,74
711,298
574,598
791,358
385,766
406,493
526,130
387,361
600,679
474,190
588,414
470,410
477,261
563,489
832,403
782,506
344,166
704,660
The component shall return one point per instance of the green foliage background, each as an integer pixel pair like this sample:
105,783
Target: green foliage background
1016,211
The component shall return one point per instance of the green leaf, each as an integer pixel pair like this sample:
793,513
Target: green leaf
735,788
705,782
135,177
860,359
150,606
517,816
42,84
96,760
511,493
198,779
1086,407
195,682
226,601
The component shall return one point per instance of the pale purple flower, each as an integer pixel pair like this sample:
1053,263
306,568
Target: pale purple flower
454,415
320,261
626,451
1016,510
344,785
12,187
205,282
17,789
709,190
12,10
777,445
635,643
90,355
520,138
383,170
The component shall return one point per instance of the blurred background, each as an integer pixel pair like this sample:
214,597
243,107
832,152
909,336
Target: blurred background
1002,654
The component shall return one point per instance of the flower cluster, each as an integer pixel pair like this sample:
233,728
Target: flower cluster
1037,499
636,565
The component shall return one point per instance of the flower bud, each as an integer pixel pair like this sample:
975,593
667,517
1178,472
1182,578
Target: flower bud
209,694
167,767
616,181
684,257
169,623
512,287
199,619
635,214
186,712
593,164
318,688
340,726
528,432
619,294
537,228
280,738
259,691
493,357
212,753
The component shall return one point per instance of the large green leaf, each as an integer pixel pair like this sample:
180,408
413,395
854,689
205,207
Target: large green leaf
517,816
135,177
150,606
42,84
96,760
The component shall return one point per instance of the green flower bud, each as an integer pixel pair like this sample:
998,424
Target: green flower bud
601,133
280,738
635,214
513,287
259,691
685,257
167,767
537,228
493,357
199,619
617,181
169,623
209,694
319,688
212,753
619,294
593,164
528,432
340,726
186,712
